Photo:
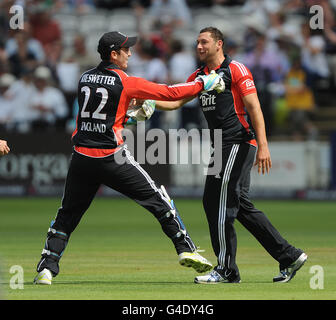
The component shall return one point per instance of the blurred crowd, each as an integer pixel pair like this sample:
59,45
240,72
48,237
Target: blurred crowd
293,64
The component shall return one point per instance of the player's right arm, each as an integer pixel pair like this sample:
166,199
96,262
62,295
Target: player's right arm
140,88
172,105
143,89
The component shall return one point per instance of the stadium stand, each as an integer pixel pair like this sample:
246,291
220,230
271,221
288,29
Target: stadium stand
240,21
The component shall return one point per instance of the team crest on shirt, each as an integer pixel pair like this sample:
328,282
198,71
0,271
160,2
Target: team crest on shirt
249,84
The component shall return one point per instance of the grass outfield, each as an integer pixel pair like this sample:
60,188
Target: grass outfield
119,252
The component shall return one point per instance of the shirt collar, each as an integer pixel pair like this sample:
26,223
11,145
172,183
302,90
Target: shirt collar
226,61
224,65
107,65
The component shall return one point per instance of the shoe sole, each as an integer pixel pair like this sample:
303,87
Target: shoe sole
300,262
214,282
45,282
197,265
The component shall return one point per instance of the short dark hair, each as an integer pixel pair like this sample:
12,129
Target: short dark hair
216,34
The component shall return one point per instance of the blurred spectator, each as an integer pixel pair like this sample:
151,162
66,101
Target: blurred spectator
284,48
259,10
252,32
300,102
156,71
137,66
5,17
228,2
199,3
6,103
264,63
72,121
49,108
313,56
279,28
156,68
79,6
330,37
78,53
54,58
233,49
33,45
139,8
68,75
146,62
4,64
21,55
69,64
162,38
176,12
115,4
45,29
182,64
21,92
268,59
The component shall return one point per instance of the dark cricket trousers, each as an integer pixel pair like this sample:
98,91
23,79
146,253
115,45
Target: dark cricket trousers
85,176
226,198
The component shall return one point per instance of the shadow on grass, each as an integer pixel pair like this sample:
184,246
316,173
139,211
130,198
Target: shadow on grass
130,283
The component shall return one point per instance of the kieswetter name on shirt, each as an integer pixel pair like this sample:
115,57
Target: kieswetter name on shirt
96,78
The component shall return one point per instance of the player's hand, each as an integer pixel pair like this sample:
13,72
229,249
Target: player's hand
263,160
212,81
143,112
4,149
135,102
148,107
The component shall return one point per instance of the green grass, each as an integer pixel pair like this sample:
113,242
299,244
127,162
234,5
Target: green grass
119,252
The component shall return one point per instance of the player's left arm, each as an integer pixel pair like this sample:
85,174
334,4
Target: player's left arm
263,156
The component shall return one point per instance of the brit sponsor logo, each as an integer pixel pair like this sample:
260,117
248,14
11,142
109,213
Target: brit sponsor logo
208,100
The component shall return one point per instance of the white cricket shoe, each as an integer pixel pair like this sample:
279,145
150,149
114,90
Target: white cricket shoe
288,273
194,260
215,277
43,277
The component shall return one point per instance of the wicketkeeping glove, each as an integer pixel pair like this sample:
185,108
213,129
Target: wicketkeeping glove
143,112
212,81
148,107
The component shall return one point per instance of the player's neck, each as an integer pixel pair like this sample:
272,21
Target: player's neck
217,61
